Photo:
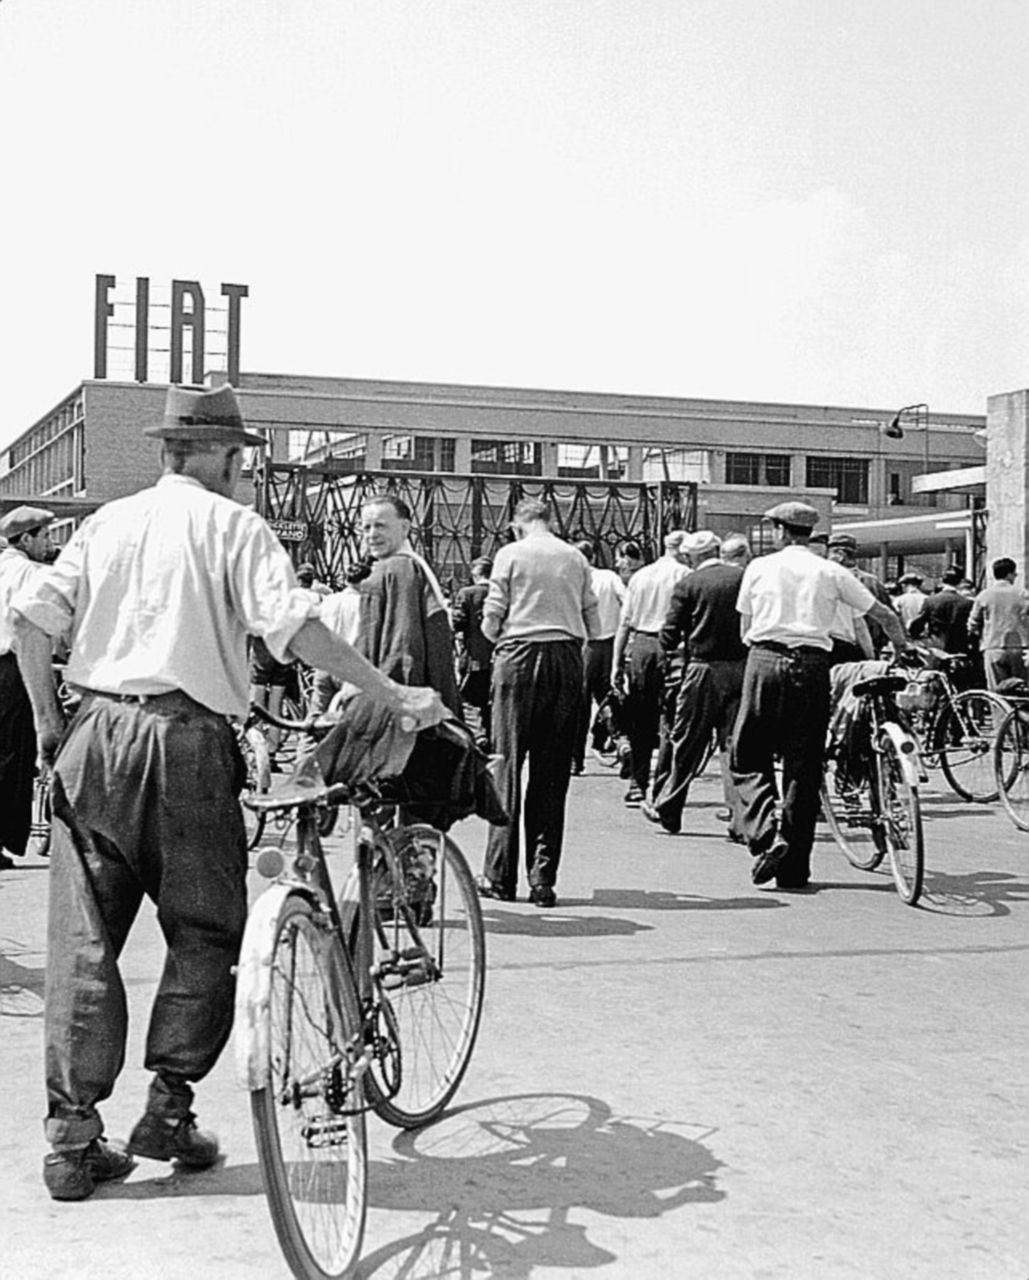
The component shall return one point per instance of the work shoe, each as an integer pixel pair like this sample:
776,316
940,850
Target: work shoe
174,1138
542,895
488,889
653,814
767,863
73,1174
634,795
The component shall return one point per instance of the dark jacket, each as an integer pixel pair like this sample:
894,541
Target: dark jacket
703,615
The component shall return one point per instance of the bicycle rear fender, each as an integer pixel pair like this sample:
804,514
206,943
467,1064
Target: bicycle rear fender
253,985
907,752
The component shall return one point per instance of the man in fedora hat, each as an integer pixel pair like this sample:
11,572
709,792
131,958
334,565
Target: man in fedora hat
788,601
158,592
26,531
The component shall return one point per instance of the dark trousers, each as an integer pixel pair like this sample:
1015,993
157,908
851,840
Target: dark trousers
645,678
475,694
145,801
708,700
596,685
537,688
784,712
17,757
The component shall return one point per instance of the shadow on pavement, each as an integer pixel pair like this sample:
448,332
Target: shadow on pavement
21,987
660,900
977,893
512,1172
553,924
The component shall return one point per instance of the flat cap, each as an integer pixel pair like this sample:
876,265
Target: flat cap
703,540
911,576
797,514
203,413
22,519
843,540
675,539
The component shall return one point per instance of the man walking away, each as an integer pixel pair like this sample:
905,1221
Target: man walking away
539,611
1000,620
476,652
787,601
610,593
158,592
702,615
638,660
912,598
27,530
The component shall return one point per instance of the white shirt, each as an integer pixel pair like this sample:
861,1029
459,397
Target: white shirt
790,597
159,590
341,613
649,593
610,592
16,568
909,604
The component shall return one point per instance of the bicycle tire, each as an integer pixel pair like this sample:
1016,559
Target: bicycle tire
850,815
902,829
965,737
1011,766
436,1018
313,1154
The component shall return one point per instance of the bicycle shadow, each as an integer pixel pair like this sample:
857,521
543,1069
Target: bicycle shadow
664,900
556,925
21,987
513,1171
974,893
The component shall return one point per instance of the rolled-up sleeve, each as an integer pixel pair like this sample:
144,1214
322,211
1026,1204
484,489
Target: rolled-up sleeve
498,599
48,598
266,595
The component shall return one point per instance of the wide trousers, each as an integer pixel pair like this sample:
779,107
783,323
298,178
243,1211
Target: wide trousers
145,800
537,691
596,685
17,757
784,713
645,675
708,701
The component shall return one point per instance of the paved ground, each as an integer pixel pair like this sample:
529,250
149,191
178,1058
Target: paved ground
678,1075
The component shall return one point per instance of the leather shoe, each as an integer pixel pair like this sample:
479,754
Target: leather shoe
653,814
174,1138
487,889
790,883
73,1175
634,795
765,864
542,895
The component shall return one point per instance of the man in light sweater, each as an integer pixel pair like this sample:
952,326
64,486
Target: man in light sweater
1000,619
539,610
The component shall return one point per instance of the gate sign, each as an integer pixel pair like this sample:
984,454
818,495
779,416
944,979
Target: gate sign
289,530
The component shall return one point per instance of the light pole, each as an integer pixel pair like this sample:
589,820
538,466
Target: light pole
915,415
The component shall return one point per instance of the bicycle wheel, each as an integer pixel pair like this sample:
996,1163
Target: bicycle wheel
965,735
851,814
254,748
430,953
1011,766
902,828
308,1119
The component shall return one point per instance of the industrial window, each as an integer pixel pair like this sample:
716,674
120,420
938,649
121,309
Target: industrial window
506,458
758,469
848,476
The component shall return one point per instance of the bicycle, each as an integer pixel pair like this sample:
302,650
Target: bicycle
370,1000
957,730
1011,756
870,786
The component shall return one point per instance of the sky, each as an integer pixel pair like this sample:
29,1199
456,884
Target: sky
813,201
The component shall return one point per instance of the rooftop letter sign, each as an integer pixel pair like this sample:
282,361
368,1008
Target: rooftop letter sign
186,324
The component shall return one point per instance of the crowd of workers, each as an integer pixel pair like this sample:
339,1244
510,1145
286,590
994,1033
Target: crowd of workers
154,601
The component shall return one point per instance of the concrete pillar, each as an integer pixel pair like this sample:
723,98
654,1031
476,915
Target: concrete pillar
548,457
373,451
634,470
1007,478
463,455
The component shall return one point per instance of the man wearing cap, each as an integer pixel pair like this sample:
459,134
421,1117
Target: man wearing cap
787,601
157,593
638,661
702,616
539,611
27,534
843,549
911,601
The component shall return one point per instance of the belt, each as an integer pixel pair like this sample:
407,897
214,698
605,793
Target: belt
159,701
776,646
652,634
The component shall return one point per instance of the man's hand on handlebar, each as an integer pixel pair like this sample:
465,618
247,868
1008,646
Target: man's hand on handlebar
423,706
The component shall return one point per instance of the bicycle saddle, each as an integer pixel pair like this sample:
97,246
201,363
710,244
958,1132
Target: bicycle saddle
877,685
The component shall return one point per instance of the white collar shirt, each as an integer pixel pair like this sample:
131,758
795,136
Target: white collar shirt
16,568
610,592
791,597
158,591
649,593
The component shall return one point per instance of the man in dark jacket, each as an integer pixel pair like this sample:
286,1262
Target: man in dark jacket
476,652
944,617
702,614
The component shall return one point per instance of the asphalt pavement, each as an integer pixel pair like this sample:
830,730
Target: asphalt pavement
678,1075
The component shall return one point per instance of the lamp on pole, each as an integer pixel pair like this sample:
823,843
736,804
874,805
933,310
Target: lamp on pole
916,416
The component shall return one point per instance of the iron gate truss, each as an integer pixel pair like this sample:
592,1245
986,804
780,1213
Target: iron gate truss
316,510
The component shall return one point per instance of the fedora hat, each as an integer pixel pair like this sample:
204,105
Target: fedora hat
203,413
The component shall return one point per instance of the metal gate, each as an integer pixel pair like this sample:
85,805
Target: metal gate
316,511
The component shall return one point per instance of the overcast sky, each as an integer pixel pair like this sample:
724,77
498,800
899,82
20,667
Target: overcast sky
822,201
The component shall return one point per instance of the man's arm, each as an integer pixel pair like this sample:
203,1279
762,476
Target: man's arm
33,649
319,647
890,623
